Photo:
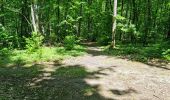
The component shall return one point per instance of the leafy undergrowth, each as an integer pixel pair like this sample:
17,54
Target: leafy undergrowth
45,54
140,53
28,83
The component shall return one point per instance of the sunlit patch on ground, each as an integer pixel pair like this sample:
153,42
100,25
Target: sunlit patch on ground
92,76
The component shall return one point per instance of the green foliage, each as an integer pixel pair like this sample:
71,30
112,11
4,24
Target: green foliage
127,28
128,31
119,17
166,54
103,40
5,38
69,42
4,52
86,19
91,19
34,42
140,53
44,54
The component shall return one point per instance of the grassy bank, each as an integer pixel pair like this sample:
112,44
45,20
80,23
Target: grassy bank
45,54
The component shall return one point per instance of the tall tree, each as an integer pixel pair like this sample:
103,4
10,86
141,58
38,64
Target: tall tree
25,14
34,16
80,20
2,19
114,24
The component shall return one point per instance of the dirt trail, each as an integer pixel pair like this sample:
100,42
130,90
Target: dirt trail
121,79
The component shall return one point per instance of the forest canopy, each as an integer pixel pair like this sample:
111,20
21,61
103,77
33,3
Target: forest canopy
30,24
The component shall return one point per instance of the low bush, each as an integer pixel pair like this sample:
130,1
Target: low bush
166,54
4,52
69,42
34,42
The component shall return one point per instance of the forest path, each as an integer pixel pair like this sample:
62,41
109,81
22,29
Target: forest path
117,78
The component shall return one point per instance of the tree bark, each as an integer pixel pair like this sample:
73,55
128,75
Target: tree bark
122,7
58,16
80,20
2,19
34,16
148,22
25,29
114,24
89,19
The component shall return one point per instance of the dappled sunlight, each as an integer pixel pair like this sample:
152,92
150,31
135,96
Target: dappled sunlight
118,78
60,83
63,80
92,76
46,75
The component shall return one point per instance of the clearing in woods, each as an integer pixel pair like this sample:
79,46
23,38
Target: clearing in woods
93,76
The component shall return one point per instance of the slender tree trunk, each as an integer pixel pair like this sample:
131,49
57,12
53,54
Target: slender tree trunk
57,15
89,19
41,18
168,33
80,21
2,19
114,24
34,16
131,11
134,16
111,7
65,17
122,7
25,18
127,8
148,23
134,11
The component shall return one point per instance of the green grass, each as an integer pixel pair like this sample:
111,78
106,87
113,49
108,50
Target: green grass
73,72
140,53
46,54
167,54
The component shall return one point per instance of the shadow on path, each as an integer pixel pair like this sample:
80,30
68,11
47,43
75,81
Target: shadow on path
59,81
47,82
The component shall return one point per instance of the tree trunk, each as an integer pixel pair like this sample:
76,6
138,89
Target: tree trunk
25,29
111,7
80,20
148,23
34,16
2,19
89,19
114,24
127,9
168,34
65,17
58,18
122,7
